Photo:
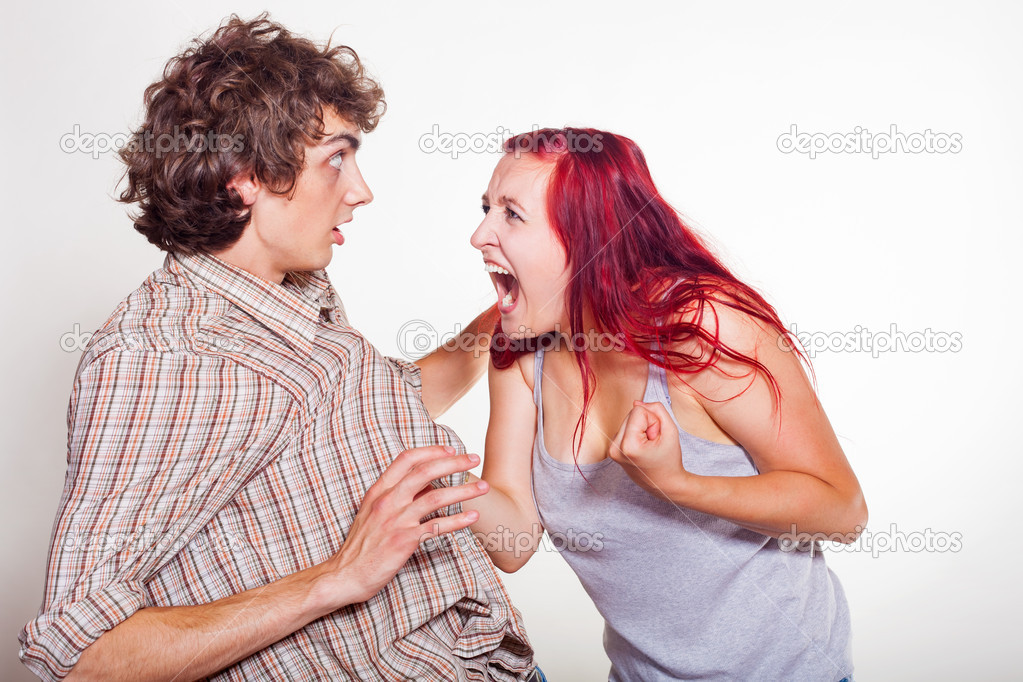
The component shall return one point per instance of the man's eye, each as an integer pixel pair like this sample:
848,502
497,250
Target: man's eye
336,160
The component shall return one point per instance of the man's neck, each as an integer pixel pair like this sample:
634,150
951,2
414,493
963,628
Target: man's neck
251,258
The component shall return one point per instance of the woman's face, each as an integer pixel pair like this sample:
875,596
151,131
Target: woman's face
526,262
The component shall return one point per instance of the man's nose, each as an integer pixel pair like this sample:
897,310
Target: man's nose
359,194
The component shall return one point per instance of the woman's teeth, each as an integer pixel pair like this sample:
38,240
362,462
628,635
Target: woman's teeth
505,282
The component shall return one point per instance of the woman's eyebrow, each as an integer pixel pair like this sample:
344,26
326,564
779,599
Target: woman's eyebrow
511,201
504,199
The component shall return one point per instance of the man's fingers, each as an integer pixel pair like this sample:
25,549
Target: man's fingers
404,462
439,498
420,476
414,497
446,524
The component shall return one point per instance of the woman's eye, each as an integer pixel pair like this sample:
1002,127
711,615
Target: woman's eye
512,215
486,209
336,160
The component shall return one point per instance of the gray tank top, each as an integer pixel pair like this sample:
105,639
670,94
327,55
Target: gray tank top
686,595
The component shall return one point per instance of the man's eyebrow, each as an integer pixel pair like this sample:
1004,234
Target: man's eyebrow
352,140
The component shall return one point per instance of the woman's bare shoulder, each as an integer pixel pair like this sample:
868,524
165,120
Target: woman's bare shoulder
526,363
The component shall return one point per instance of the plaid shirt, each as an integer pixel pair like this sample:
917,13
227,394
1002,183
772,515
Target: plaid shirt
222,433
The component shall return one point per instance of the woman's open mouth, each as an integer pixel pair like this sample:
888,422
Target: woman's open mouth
507,287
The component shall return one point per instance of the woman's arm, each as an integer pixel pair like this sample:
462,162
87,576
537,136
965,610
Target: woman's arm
805,484
452,369
508,527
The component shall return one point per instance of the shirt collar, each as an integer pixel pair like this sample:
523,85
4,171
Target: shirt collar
291,310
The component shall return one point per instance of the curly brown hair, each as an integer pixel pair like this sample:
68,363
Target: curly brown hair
247,99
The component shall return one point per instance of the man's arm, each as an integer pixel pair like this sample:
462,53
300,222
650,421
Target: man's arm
154,452
451,370
188,642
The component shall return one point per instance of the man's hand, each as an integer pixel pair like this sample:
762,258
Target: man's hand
189,642
388,528
648,448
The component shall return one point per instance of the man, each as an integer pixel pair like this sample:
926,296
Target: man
236,505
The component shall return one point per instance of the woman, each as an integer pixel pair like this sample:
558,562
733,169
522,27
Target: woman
649,412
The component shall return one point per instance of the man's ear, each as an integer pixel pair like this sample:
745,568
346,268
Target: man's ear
246,185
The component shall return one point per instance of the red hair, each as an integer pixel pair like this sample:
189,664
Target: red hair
635,264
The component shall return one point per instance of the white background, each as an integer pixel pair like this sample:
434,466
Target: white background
916,240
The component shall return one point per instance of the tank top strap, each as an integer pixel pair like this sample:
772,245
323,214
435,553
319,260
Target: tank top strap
538,374
656,385
657,389
657,381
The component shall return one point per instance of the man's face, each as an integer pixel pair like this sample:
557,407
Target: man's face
297,233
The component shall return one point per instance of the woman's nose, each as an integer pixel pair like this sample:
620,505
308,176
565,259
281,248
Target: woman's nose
482,236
